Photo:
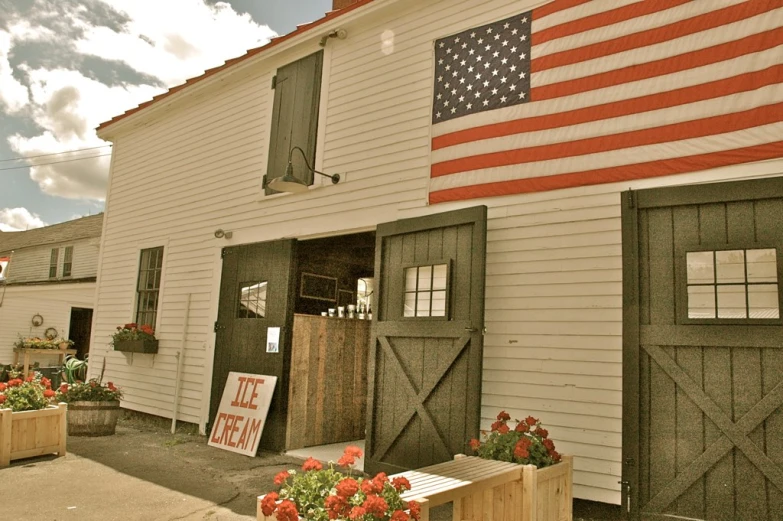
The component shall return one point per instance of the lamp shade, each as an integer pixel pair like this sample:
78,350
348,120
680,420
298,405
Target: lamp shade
288,183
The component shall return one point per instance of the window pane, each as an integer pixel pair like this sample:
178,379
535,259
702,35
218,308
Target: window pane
438,303
731,301
701,301
439,276
763,301
409,309
423,304
730,266
252,300
410,279
700,267
425,278
762,266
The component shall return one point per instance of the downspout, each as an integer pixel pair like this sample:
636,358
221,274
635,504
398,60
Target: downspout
180,363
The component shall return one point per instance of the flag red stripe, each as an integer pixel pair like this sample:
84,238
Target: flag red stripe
683,96
556,6
679,29
621,14
715,54
614,174
650,136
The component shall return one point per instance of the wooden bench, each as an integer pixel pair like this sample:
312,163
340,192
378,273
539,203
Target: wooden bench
487,490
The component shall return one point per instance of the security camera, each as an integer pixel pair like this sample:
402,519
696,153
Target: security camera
219,234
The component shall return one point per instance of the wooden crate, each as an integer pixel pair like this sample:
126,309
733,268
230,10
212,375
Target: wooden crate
540,495
32,433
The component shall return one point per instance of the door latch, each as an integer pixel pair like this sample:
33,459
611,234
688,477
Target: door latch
218,327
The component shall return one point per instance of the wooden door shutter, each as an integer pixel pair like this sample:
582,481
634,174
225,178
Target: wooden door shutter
295,117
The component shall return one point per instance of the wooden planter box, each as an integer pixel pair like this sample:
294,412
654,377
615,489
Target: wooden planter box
539,495
93,418
136,346
32,433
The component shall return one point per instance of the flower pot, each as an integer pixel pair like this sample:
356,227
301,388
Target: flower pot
64,345
93,418
136,346
32,433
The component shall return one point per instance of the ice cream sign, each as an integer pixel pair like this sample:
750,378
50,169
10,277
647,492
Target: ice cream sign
242,414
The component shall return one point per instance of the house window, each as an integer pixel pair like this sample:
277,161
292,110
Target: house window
426,290
148,286
53,263
68,261
733,284
252,300
295,118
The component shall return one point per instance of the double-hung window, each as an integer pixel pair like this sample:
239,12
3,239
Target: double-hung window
55,255
295,118
68,261
148,286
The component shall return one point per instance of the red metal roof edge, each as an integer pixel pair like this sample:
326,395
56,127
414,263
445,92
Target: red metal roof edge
301,29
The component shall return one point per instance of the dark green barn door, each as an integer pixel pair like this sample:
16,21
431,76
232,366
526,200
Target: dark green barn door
256,292
703,352
425,356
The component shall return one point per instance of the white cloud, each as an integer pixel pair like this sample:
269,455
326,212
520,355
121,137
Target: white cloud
168,41
174,40
19,219
13,95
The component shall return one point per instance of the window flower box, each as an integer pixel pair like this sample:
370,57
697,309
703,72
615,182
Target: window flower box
136,346
26,434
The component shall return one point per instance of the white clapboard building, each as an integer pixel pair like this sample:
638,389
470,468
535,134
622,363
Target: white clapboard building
567,209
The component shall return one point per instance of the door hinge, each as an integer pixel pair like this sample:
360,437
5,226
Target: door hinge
274,82
218,327
627,486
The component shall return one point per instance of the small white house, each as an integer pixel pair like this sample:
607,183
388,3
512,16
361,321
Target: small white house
47,286
567,209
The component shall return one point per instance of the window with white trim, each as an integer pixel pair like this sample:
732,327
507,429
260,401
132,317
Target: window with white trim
148,286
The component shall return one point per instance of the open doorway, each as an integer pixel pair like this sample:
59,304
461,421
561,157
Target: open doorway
331,337
79,330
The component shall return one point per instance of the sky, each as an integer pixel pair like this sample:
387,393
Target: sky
68,65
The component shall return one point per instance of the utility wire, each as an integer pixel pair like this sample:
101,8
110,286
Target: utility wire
53,154
53,162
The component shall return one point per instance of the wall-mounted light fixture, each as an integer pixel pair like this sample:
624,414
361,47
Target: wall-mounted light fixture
221,234
341,34
289,183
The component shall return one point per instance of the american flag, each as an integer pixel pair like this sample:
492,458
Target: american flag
580,92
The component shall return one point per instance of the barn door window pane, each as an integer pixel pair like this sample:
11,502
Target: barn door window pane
733,284
426,290
252,300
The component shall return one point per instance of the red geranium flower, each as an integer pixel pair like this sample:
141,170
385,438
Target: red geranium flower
496,425
269,503
46,382
354,451
336,506
549,444
48,393
132,325
64,388
401,484
2,398
312,464
3,386
415,509
555,456
503,429
30,378
357,512
346,460
504,416
542,432
399,515
347,487
522,427
370,487
15,382
376,506
475,444
531,421
281,477
521,448
147,329
286,511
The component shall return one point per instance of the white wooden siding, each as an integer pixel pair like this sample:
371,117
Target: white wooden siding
52,301
554,278
32,264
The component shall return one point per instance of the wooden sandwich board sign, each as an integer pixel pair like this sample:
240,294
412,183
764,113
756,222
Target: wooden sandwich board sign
242,413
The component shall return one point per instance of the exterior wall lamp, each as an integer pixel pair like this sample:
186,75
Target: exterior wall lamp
289,183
